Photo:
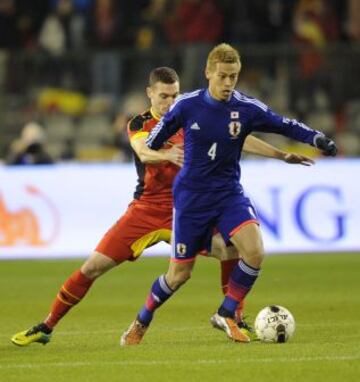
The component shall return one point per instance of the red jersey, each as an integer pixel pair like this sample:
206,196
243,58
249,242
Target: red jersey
155,180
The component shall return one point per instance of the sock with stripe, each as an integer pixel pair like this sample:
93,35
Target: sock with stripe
240,283
71,293
160,292
227,266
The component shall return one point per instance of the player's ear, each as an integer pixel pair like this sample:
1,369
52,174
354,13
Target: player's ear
207,73
149,91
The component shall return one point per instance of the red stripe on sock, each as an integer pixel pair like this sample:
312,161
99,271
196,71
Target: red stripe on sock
151,303
237,292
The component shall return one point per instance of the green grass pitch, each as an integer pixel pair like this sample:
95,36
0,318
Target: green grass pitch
322,291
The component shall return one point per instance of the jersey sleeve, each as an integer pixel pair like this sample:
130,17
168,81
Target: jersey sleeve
135,128
266,121
168,125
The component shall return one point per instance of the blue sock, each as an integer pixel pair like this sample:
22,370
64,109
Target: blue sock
241,281
159,293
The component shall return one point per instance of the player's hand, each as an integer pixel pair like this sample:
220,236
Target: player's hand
293,158
175,154
326,145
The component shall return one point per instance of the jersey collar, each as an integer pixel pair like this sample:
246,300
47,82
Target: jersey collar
214,102
154,114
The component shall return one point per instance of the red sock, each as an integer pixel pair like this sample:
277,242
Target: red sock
71,293
227,267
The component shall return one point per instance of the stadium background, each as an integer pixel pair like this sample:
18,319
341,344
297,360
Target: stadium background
72,73
77,69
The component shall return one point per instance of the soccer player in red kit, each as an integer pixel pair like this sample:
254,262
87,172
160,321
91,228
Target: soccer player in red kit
148,219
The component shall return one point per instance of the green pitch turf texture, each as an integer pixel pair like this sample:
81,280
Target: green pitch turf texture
322,291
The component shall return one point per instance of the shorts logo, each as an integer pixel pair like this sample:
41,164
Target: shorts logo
252,212
195,126
234,129
181,249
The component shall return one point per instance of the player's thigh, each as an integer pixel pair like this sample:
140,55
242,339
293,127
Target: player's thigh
97,264
238,224
248,241
139,228
219,250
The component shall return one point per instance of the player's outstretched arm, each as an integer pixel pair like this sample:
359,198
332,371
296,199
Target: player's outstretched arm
174,154
256,146
265,120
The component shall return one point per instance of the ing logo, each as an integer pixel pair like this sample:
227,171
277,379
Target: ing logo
26,225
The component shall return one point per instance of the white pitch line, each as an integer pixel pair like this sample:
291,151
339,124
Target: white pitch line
178,362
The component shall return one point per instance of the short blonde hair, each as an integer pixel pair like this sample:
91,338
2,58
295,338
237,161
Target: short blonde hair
223,53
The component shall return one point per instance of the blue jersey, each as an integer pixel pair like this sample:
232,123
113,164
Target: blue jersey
214,134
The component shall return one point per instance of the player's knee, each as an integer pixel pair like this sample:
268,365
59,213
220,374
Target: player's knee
254,256
259,257
96,265
92,269
177,279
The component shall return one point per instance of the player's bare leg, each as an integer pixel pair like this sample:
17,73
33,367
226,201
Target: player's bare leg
96,265
71,293
248,242
161,290
179,273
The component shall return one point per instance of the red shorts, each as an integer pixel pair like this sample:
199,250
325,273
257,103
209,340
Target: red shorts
142,226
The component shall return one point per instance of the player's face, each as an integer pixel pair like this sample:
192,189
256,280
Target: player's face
162,96
222,79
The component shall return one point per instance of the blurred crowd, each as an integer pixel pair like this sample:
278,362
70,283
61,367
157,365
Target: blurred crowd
78,68
64,25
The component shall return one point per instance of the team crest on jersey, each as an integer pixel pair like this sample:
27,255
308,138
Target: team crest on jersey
181,249
234,129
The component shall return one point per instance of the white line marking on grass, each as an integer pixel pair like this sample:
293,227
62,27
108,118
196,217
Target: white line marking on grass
39,365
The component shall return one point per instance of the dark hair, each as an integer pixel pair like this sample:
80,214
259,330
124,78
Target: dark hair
163,74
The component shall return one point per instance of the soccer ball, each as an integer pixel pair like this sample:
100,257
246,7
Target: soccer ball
274,323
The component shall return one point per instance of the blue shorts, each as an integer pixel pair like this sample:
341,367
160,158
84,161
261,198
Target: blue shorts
193,228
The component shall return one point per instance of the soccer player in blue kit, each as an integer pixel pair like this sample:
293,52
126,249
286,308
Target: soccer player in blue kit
207,192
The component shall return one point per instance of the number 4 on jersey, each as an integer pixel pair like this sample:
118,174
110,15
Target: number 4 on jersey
212,151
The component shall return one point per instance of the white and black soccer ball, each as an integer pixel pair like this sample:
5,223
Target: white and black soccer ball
274,323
